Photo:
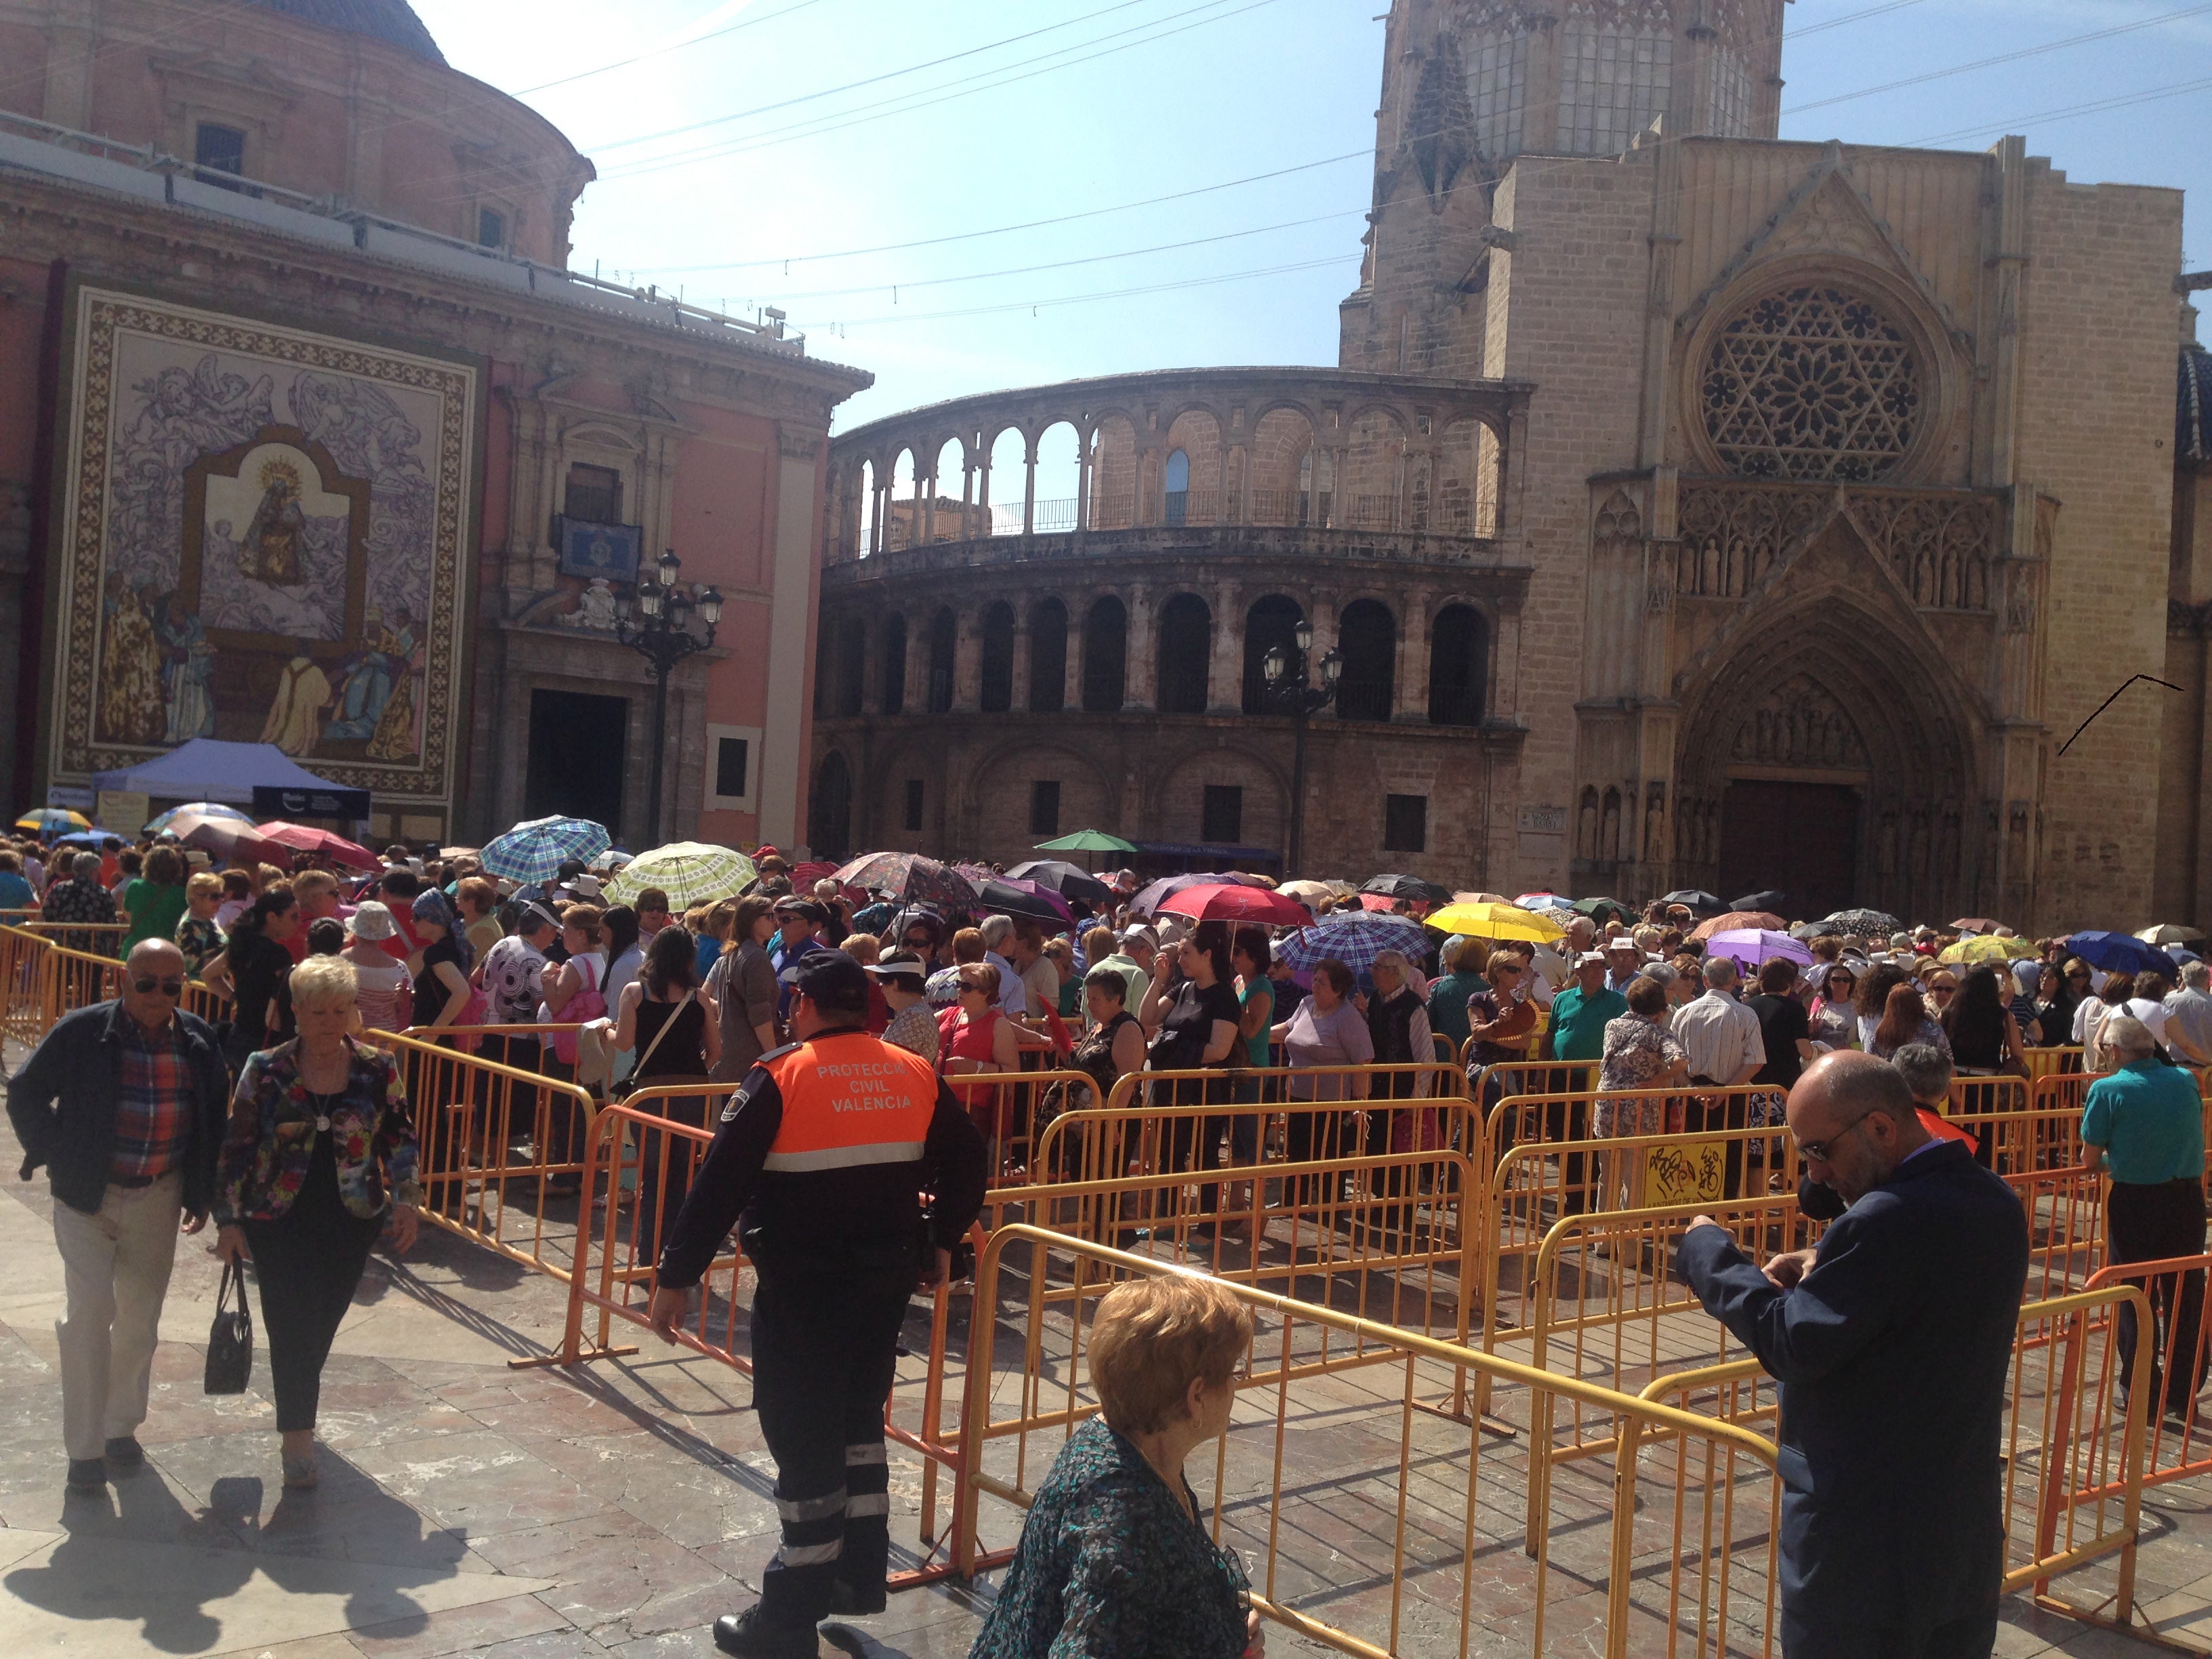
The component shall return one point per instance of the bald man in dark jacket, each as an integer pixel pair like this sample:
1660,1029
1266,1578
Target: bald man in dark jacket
1893,1342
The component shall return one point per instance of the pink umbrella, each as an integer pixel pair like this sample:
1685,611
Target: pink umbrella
1229,901
1753,945
321,843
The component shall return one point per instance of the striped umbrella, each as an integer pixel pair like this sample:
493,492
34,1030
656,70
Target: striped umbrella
1354,938
536,850
206,809
45,820
689,871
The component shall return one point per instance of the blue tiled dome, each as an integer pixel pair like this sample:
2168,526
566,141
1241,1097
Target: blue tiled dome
392,21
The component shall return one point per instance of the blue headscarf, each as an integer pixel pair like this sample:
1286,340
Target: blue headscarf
432,911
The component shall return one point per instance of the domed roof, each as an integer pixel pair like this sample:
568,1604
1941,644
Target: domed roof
392,21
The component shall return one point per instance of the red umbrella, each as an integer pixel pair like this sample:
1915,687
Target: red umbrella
1381,903
227,838
1229,901
320,843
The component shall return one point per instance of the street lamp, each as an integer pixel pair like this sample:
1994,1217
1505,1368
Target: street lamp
664,638
1290,689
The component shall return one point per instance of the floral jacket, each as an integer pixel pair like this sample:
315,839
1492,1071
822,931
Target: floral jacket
271,1137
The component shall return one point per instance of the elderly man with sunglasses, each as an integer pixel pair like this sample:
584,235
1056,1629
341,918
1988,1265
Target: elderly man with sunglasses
1893,1343
123,1102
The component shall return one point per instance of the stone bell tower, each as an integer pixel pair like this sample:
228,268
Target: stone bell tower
1471,87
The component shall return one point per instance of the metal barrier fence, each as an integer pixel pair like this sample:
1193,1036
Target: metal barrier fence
2179,1294
23,980
2059,1429
1415,1546
473,1116
1014,1110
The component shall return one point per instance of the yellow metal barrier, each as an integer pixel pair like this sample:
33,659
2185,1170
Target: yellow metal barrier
1422,1557
24,976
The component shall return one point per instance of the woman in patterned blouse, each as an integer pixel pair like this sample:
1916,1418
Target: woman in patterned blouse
1639,1055
321,1151
1114,1558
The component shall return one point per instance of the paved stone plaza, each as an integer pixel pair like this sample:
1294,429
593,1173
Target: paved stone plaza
469,1508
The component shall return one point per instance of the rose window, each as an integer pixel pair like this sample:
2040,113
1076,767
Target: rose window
1811,383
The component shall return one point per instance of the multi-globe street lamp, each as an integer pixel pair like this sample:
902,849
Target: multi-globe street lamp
1290,689
664,638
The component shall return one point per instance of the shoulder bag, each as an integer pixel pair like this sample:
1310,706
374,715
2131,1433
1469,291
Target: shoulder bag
230,1340
621,1089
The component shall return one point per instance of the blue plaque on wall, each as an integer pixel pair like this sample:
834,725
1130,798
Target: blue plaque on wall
589,550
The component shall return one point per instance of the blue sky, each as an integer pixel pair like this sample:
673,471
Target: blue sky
1113,102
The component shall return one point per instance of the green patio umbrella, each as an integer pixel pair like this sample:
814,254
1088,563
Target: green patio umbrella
1087,841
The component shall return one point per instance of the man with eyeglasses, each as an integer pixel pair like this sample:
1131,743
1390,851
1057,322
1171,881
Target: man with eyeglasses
123,1103
1893,1525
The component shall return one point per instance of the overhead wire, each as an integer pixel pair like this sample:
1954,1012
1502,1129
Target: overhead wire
673,46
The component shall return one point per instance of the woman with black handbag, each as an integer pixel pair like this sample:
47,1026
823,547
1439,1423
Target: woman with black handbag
320,1152
673,1029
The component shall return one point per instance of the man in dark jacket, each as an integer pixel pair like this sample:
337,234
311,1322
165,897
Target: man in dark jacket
823,1151
123,1102
1893,1342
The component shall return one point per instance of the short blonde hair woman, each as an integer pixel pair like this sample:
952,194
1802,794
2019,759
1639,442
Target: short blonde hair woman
319,1152
1113,1557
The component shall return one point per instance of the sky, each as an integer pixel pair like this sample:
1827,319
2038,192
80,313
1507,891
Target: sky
877,169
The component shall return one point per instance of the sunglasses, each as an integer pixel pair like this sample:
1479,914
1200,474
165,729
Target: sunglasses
1942,990
147,985
1820,1152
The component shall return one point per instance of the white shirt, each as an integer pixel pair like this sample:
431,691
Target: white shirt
1013,994
1720,1036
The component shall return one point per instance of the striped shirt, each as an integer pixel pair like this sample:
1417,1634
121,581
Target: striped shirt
153,1103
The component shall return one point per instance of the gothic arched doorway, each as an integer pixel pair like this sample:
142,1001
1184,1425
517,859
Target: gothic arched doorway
1828,757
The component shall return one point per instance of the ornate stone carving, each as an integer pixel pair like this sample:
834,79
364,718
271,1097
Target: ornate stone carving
1939,546
1811,382
1799,723
1732,536
595,608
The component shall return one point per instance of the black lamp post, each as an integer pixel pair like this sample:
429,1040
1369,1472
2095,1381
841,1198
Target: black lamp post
1290,689
664,638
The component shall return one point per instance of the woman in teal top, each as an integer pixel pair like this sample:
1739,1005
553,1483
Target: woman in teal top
1447,995
156,901
2145,1123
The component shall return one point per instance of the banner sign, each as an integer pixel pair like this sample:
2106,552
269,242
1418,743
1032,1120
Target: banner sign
295,804
610,550
1689,1172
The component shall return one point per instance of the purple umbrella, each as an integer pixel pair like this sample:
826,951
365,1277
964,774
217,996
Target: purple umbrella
1753,945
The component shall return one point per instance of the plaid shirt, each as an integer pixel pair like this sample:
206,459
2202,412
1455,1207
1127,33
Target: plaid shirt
152,1105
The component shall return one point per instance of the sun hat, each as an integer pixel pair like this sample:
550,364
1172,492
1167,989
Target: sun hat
372,919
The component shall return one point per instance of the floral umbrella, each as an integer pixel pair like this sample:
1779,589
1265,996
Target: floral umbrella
1865,924
689,872
910,879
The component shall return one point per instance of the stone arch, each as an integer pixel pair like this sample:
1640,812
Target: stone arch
1367,638
1833,697
1281,433
1114,459
1048,656
1270,621
998,658
891,696
1175,793
1184,651
995,805
1105,655
829,807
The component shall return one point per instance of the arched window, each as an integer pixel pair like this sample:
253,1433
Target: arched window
1271,622
852,665
1459,666
1105,657
1185,644
1367,636
943,630
999,659
1047,656
1177,503
830,814
894,697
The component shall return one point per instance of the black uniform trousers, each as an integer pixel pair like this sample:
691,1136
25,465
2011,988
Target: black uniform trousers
2153,1224
824,1351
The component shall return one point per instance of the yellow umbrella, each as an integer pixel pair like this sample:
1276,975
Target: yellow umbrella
1988,947
1495,922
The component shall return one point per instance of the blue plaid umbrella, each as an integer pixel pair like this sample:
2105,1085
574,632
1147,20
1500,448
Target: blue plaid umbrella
1354,938
536,851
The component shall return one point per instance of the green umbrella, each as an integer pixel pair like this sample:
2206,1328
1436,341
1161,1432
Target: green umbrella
1594,908
1087,841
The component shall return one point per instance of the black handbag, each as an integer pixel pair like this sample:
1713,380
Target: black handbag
230,1339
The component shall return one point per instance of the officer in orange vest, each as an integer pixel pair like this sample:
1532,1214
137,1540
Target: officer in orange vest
821,1158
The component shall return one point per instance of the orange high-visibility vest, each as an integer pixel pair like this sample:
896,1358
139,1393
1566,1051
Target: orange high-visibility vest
861,1101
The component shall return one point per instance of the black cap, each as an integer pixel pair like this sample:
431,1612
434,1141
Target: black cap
804,907
833,982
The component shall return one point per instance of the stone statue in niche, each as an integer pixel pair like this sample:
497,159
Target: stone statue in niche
595,608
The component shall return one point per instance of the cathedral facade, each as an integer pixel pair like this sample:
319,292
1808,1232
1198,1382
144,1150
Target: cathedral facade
1817,494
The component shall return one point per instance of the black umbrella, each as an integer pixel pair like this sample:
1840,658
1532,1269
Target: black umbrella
1407,887
1698,899
1813,930
1866,923
1064,880
1004,899
1766,899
